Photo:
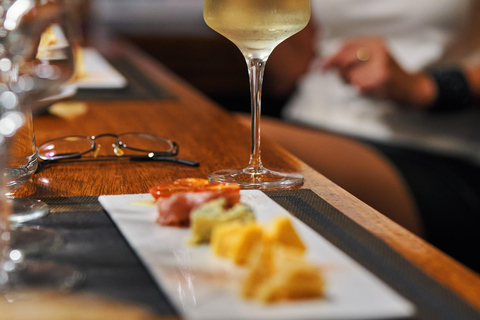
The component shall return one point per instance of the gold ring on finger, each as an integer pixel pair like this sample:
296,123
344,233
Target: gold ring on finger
363,54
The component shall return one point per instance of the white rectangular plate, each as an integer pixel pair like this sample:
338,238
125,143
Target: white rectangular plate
202,286
100,74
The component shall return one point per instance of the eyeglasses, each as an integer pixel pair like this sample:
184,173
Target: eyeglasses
71,147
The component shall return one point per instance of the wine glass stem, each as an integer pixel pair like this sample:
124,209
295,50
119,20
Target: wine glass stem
256,68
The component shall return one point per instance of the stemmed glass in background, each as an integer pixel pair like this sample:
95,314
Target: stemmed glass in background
25,77
256,27
38,57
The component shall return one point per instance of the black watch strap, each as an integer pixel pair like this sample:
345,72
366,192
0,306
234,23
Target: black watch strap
453,91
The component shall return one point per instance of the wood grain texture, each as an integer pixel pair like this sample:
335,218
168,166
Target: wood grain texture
212,136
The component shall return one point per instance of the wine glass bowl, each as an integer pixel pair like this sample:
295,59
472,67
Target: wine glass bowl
256,28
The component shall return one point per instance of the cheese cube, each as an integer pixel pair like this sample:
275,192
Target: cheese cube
282,232
235,241
281,273
260,268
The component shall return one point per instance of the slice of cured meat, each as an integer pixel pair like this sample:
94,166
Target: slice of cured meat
176,200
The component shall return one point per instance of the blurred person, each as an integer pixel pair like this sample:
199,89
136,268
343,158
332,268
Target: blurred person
403,77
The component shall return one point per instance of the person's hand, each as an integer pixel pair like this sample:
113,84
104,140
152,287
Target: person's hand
368,65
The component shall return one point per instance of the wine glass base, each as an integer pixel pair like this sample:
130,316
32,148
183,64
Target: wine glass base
24,209
34,240
31,276
258,178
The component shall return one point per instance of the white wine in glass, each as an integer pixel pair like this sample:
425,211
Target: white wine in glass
256,27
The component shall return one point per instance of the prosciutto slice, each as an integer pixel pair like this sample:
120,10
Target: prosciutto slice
175,210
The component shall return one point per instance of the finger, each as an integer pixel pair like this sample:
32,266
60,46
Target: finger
368,81
351,59
343,59
346,72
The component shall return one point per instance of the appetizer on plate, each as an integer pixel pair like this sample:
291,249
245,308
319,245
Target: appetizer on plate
273,256
176,200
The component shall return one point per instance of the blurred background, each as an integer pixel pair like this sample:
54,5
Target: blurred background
174,32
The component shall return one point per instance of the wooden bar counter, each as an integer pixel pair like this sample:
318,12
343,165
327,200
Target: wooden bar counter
210,135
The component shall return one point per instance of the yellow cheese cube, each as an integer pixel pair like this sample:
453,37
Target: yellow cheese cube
223,238
260,268
276,267
281,273
294,278
282,232
292,282
235,241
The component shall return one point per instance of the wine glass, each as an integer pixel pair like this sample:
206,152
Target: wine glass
256,28
37,51
23,80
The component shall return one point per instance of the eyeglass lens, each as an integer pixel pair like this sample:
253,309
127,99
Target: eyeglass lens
67,147
145,142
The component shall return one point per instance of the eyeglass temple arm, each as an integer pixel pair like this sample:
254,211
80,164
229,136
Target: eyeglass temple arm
42,164
167,159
